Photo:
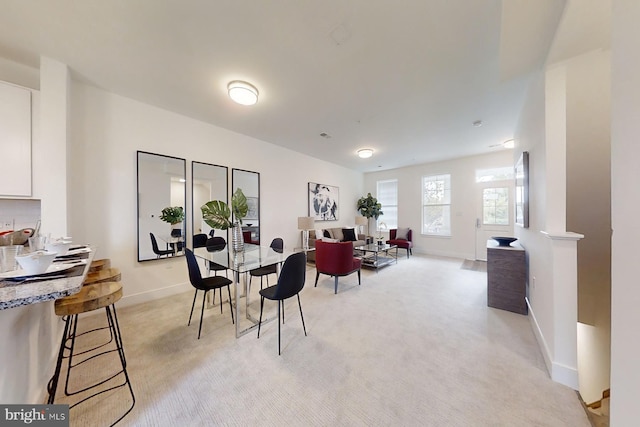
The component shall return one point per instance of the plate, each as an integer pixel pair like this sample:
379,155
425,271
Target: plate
77,251
53,268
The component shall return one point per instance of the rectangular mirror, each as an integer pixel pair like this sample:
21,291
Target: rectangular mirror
161,206
208,182
249,182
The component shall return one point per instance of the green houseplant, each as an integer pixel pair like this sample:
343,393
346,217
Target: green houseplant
217,214
172,214
369,207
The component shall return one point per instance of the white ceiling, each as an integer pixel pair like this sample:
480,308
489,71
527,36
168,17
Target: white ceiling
406,78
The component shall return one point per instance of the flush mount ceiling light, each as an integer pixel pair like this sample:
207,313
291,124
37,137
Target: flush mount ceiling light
509,143
242,92
365,153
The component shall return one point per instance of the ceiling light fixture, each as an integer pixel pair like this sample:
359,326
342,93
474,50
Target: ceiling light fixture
365,153
242,92
509,143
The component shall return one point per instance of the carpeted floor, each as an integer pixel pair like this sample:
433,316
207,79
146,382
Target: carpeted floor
415,345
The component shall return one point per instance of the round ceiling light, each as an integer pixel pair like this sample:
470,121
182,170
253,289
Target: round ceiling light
365,153
242,92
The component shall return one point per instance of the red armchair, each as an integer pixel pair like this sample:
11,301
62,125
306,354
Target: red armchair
401,242
336,259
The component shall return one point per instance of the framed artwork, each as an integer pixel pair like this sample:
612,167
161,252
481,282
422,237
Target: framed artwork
252,204
522,190
323,202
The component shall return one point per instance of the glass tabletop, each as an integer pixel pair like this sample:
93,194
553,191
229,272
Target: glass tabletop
253,256
374,247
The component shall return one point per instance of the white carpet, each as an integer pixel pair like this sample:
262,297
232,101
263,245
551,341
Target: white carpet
416,344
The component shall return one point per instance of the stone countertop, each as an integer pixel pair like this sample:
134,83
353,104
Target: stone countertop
18,294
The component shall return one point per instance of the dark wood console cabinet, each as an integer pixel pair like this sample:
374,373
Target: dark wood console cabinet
506,277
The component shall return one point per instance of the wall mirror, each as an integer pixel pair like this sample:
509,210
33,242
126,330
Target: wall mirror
249,182
161,186
208,182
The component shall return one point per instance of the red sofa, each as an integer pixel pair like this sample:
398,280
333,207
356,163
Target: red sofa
400,243
336,259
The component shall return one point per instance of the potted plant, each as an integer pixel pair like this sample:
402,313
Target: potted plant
217,214
172,214
369,207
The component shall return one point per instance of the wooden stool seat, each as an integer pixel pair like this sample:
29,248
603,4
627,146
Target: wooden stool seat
91,297
99,264
104,275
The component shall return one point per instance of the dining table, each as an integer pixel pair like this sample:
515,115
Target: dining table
241,263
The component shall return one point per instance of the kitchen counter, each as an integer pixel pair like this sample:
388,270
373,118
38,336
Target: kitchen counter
18,294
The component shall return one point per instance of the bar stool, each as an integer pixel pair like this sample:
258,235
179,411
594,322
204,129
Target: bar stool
91,297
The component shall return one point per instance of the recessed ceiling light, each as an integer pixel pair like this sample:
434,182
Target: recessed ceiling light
365,153
242,92
477,123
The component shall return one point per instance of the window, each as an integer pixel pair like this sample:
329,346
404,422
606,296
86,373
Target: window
436,205
387,195
495,206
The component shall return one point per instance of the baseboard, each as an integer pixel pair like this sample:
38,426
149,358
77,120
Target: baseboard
559,373
154,294
598,403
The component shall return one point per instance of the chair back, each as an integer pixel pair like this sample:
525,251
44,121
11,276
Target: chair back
292,276
199,240
215,244
194,270
154,243
334,258
277,244
176,232
393,232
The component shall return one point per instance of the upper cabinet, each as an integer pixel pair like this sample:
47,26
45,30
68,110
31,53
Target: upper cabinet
15,140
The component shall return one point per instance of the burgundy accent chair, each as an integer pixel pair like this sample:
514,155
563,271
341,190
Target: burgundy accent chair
336,259
401,243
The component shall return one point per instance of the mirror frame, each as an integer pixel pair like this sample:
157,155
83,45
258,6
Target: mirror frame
140,154
255,204
195,208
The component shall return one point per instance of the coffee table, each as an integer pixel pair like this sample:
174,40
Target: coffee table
376,256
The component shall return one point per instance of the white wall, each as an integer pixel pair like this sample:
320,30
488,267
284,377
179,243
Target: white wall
464,200
625,201
107,131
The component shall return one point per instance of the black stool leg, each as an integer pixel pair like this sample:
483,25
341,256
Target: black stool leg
53,382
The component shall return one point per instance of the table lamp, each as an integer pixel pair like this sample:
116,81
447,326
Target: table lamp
306,223
360,222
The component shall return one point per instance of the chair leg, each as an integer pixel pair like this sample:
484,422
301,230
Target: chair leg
317,275
53,383
408,253
282,302
214,292
336,285
204,299
359,283
301,316
260,321
230,305
192,305
279,330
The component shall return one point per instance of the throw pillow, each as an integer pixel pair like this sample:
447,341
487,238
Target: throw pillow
336,233
330,240
319,233
402,234
349,234
326,233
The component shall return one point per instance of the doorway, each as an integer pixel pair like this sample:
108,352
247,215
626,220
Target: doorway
494,213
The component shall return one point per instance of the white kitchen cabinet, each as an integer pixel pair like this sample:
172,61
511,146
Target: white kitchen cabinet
15,140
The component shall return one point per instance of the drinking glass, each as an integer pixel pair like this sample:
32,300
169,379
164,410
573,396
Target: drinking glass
37,243
8,256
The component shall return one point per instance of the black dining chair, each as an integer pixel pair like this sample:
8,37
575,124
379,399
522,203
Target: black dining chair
199,240
204,284
179,245
277,245
159,252
290,283
216,244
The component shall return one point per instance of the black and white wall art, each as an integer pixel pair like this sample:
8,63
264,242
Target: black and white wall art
323,202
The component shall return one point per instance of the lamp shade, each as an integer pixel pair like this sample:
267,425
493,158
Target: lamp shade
360,220
306,222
